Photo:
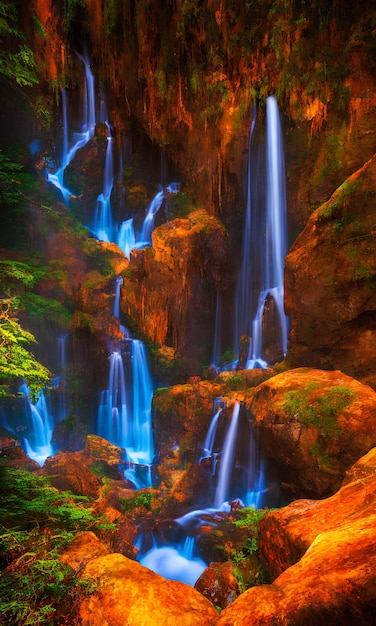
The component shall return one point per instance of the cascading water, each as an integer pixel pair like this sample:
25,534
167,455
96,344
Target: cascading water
264,242
38,444
124,413
174,562
103,227
227,460
79,139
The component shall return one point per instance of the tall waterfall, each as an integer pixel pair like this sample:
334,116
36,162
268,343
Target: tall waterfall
124,412
260,287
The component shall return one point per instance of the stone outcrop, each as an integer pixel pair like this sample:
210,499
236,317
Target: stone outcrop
334,544
287,533
330,282
179,275
128,593
313,424
218,583
68,472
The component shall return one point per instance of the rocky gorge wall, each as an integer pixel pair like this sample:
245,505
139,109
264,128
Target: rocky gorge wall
185,77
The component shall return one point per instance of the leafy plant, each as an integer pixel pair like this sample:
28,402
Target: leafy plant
16,58
36,523
142,499
16,362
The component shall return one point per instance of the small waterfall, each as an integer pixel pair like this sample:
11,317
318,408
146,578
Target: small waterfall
154,206
142,392
210,437
126,237
227,460
118,284
264,244
103,227
112,411
38,445
60,406
256,477
243,299
79,139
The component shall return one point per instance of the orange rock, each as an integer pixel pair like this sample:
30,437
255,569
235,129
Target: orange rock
334,581
128,593
218,584
313,458
286,534
69,473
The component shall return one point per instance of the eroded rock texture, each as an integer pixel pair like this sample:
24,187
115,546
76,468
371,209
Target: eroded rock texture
330,282
314,424
332,543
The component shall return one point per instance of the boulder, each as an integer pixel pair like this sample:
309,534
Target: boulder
334,581
218,583
287,533
128,593
330,282
69,473
313,425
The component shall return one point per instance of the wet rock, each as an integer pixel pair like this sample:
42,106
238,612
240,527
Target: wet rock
68,472
70,434
218,583
333,583
287,533
85,546
128,593
100,449
313,425
12,455
181,273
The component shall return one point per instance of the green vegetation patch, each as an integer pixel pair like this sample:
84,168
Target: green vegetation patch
36,523
311,408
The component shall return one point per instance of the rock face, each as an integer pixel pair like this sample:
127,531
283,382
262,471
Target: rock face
69,472
128,593
330,282
313,424
179,275
333,582
287,533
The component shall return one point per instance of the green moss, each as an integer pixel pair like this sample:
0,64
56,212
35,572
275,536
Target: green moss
312,408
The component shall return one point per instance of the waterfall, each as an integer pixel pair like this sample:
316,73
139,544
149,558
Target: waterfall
243,299
227,459
38,445
264,242
79,139
59,382
103,213
142,392
256,478
126,237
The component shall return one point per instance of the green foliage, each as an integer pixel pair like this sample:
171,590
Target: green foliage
309,407
16,362
45,309
142,499
247,519
36,523
16,58
16,185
